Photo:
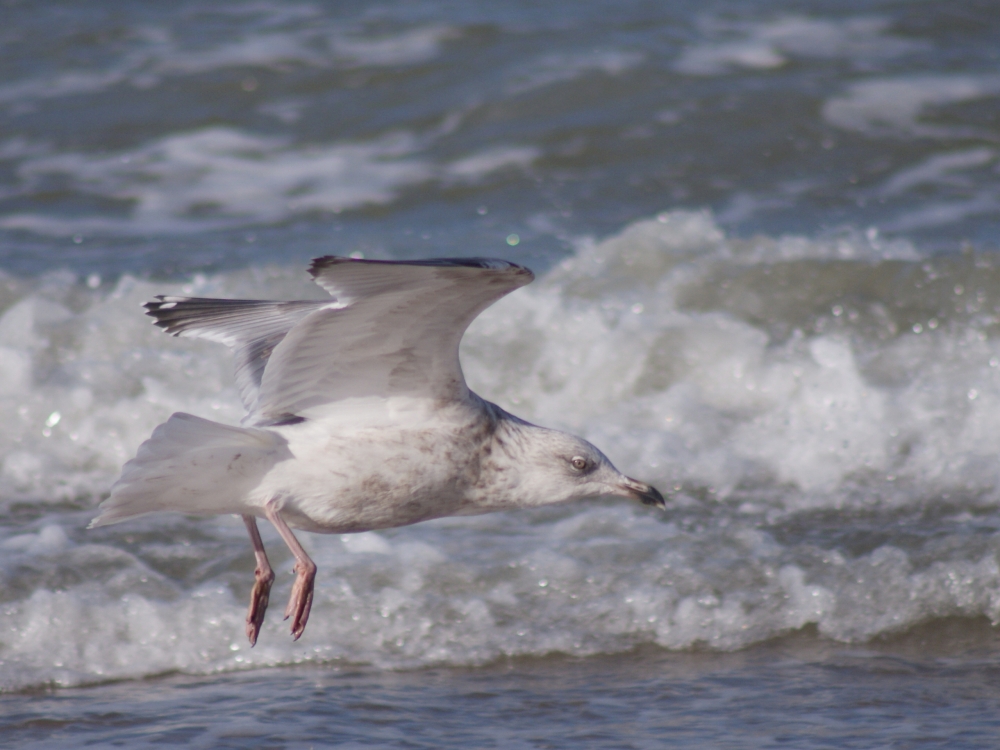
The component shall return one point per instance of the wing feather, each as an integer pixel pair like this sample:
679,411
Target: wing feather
253,328
394,331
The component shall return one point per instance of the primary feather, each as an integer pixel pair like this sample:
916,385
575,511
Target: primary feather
251,327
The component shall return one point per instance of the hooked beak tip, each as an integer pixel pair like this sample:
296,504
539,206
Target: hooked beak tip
647,493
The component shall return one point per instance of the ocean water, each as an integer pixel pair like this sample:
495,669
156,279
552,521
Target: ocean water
766,240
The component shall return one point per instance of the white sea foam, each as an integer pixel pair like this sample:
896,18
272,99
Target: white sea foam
943,212
223,177
939,169
261,50
477,166
770,44
406,48
281,37
952,171
895,106
629,342
595,580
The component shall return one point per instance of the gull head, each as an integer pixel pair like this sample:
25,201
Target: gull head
556,467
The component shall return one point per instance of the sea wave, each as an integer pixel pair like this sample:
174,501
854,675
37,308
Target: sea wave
821,412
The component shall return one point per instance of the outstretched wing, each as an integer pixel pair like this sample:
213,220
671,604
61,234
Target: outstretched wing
393,331
251,327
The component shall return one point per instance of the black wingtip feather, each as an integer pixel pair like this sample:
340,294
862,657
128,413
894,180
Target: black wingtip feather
319,265
161,310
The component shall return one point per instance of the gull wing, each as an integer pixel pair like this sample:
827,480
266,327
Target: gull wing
251,327
394,331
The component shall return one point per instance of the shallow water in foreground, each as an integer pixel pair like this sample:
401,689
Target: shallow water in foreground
937,687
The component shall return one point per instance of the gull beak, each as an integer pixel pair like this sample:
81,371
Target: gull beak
641,491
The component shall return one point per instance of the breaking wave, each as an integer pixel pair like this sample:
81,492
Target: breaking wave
822,413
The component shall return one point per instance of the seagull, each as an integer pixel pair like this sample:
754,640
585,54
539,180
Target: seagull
358,418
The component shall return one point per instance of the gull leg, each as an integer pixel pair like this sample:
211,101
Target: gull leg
301,600
263,578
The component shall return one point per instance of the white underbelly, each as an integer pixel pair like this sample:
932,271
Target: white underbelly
339,485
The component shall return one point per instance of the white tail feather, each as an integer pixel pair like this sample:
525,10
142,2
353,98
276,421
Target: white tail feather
192,465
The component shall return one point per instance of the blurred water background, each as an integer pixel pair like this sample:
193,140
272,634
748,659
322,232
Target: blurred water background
767,248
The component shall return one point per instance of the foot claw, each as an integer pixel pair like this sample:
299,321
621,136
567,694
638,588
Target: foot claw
305,573
300,602
259,598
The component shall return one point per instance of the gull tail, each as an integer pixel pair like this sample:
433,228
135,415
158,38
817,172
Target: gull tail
192,465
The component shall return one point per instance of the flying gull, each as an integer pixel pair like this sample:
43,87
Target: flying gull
358,418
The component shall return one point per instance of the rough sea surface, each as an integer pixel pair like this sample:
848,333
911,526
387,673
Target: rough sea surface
768,257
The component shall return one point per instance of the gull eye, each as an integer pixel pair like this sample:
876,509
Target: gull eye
579,463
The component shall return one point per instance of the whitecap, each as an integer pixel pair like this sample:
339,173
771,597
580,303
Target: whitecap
221,177
726,370
770,44
894,106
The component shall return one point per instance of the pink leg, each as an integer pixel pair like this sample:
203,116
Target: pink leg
305,574
263,578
